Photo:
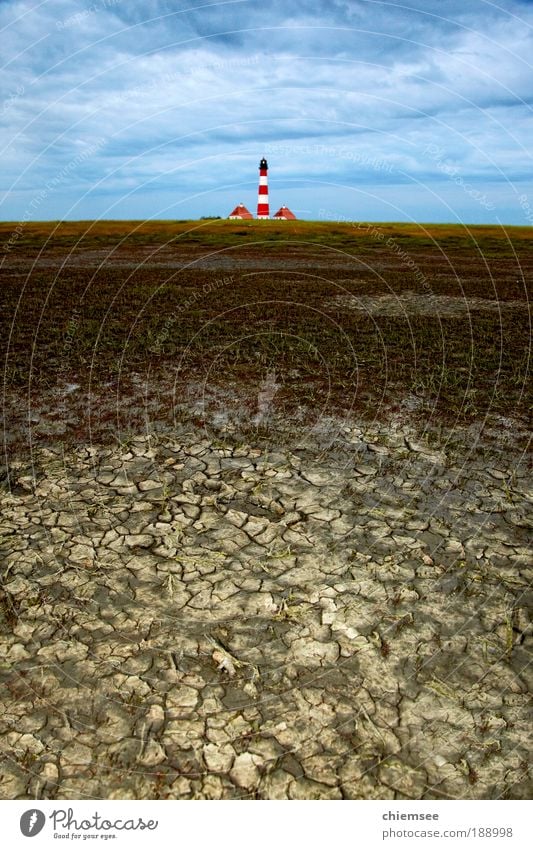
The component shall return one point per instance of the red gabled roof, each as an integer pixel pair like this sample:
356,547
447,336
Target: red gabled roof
284,212
240,211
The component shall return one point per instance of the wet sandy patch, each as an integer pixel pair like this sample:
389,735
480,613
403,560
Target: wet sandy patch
413,303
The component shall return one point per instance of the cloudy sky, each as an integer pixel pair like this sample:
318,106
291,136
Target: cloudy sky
365,109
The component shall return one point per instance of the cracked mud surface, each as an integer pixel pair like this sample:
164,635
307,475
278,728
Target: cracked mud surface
192,616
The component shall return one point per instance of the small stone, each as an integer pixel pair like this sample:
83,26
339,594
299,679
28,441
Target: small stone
131,489
184,697
105,477
378,449
181,787
139,540
24,630
67,520
318,477
244,772
454,547
17,652
218,758
365,470
75,754
148,485
255,525
212,787
497,474
50,773
83,554
30,744
292,518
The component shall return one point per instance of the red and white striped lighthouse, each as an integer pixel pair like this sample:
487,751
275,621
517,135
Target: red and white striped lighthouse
262,198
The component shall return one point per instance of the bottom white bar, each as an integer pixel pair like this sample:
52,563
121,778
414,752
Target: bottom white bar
370,824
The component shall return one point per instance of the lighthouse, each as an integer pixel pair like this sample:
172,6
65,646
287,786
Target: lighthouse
262,197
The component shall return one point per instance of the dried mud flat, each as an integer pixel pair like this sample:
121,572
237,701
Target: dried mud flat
341,613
